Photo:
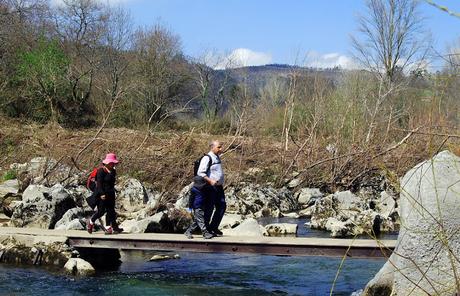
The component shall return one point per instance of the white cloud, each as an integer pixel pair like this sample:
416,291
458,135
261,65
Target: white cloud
240,57
329,60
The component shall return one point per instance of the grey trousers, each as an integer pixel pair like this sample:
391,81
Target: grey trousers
198,221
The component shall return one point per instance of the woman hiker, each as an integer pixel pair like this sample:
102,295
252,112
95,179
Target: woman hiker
105,195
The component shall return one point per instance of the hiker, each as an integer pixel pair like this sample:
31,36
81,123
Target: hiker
215,192
105,195
200,205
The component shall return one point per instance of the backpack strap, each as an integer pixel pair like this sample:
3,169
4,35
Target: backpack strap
209,163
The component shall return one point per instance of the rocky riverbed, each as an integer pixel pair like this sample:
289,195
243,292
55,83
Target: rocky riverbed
48,195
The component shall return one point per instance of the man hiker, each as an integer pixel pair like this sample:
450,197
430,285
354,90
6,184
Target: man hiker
208,193
215,192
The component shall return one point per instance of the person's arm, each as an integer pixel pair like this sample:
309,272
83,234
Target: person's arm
99,177
203,168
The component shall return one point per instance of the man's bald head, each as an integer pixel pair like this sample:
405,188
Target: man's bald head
215,143
216,146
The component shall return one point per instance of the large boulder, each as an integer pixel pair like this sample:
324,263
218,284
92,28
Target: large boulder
9,187
71,220
345,214
45,171
307,196
249,199
42,207
9,196
35,250
425,261
79,194
132,196
249,227
157,223
80,267
183,198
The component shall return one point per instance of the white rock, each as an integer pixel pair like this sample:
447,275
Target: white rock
386,205
9,187
290,215
305,213
348,201
337,228
150,224
182,199
276,229
305,195
70,216
429,241
248,227
231,221
42,207
164,257
78,266
294,183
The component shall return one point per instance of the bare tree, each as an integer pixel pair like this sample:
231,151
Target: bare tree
392,41
80,25
156,50
211,83
116,41
391,37
112,81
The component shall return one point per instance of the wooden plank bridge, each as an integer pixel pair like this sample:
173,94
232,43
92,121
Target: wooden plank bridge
290,246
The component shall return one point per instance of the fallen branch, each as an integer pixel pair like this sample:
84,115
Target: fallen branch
398,144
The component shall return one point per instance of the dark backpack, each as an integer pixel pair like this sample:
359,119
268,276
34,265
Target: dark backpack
91,182
196,164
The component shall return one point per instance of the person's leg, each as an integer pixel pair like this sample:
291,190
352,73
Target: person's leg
98,214
221,206
196,199
199,218
101,208
188,233
111,216
209,204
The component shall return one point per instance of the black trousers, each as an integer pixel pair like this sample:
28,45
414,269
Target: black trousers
107,207
220,205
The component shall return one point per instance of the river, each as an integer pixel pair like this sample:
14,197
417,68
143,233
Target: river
202,274
199,274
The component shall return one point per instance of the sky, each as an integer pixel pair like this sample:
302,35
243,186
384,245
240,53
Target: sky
257,32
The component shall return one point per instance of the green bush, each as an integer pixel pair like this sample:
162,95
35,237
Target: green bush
9,175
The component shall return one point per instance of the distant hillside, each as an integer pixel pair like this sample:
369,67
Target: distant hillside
258,76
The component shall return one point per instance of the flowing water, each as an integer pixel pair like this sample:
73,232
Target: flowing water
203,274
199,274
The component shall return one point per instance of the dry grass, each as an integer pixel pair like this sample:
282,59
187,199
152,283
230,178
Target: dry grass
166,159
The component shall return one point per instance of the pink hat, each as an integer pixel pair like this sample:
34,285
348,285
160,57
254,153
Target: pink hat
110,158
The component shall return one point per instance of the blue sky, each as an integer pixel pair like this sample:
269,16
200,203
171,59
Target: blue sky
282,31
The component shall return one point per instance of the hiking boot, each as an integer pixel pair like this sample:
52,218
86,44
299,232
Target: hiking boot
109,230
117,230
217,232
208,235
89,226
188,234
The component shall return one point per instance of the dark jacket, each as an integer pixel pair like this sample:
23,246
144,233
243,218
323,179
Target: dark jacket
106,182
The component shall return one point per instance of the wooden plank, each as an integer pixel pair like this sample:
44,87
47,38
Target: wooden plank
292,246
